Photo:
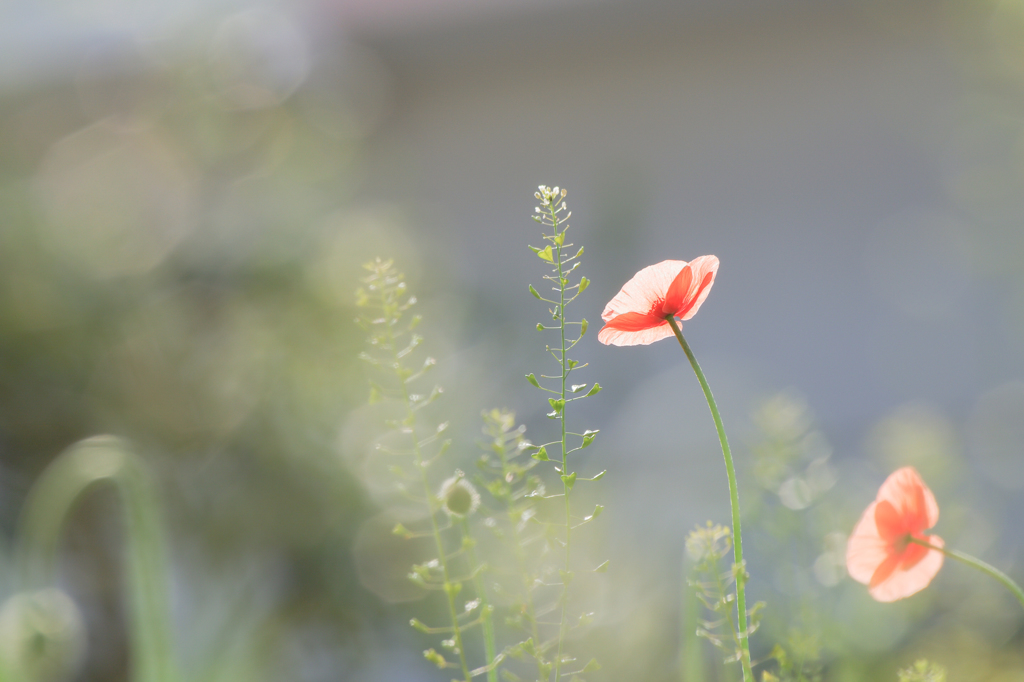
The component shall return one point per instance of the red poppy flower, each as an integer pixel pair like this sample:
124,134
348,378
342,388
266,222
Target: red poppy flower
880,554
638,315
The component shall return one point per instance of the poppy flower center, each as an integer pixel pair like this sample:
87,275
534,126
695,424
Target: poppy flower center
658,309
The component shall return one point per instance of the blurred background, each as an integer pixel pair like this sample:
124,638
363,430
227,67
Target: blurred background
188,189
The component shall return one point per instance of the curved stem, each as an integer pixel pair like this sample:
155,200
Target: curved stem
734,502
978,564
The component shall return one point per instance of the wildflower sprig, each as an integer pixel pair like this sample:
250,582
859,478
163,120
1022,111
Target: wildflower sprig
392,338
564,258
515,487
923,671
707,546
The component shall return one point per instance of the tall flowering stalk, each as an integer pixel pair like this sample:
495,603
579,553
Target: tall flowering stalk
553,215
645,311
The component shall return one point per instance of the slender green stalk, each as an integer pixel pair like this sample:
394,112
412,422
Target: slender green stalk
988,569
486,619
734,502
566,485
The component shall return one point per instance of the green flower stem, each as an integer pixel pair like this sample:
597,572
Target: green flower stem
734,501
978,564
566,575
486,620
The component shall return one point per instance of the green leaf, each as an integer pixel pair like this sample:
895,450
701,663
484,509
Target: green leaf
541,455
399,529
569,480
592,665
599,476
588,438
576,388
572,363
566,576
418,625
557,403
533,291
584,282
533,379
545,254
603,568
540,327
583,327
597,511
559,238
594,390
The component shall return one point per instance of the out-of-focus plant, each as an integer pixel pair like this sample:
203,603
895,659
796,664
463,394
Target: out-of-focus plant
41,633
413,449
794,529
715,587
923,671
530,566
507,474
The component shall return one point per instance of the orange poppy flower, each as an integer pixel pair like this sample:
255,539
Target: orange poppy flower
638,315
880,554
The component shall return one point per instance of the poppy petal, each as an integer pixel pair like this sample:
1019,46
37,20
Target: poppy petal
705,268
620,337
888,521
905,582
646,288
884,570
634,322
678,291
907,492
866,549
912,554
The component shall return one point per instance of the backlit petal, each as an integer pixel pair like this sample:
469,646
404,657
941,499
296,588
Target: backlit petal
621,337
865,550
883,571
905,582
676,298
704,270
634,322
644,289
889,522
905,490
